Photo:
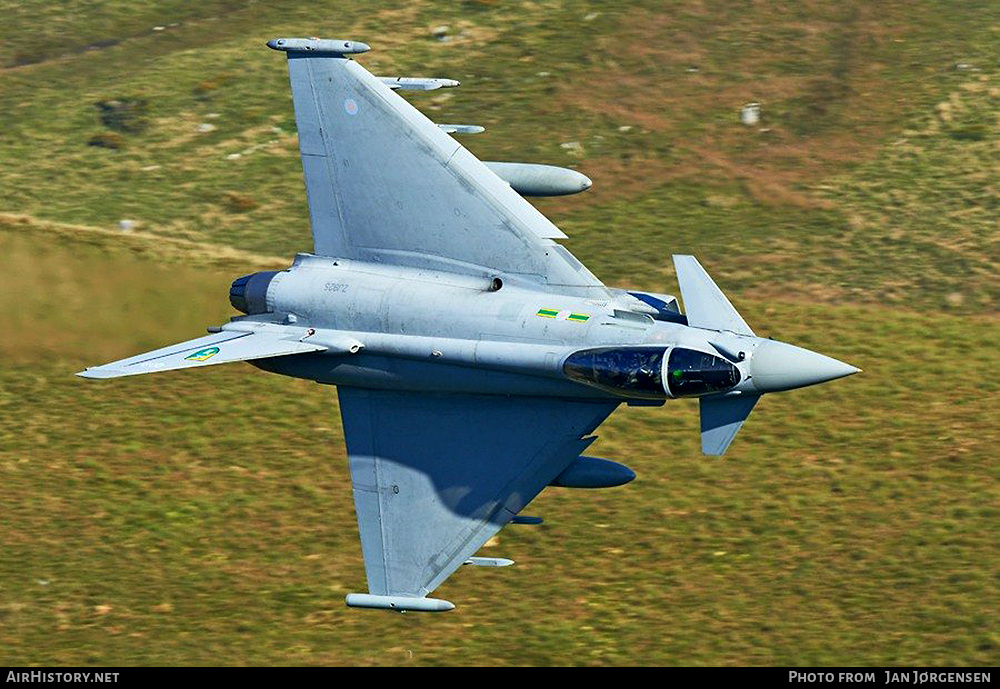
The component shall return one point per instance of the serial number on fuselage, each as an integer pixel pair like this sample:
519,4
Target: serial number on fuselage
335,287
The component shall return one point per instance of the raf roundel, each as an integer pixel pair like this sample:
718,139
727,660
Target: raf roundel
351,106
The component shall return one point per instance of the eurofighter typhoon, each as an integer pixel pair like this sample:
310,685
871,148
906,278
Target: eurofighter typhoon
473,355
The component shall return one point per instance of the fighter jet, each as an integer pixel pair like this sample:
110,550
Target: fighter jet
474,356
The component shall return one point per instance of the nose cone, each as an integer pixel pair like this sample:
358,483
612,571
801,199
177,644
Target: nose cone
777,366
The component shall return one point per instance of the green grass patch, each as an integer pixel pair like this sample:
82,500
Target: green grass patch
206,517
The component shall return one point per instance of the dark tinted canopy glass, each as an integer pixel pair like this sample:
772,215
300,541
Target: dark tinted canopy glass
691,373
627,371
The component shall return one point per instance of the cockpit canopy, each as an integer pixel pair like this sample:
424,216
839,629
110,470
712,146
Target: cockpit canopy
639,372
629,371
691,373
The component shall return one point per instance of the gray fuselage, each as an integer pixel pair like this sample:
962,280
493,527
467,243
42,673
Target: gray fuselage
437,331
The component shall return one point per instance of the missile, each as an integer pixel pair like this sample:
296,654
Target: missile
531,179
418,83
527,521
489,562
462,128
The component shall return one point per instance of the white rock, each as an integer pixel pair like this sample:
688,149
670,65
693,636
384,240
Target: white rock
574,147
750,114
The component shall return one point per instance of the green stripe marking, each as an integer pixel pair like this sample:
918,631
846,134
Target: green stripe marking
581,317
547,313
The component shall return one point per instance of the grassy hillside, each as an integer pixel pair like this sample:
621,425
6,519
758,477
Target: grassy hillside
189,518
897,97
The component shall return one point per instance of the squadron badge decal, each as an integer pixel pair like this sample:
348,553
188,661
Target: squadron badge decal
202,354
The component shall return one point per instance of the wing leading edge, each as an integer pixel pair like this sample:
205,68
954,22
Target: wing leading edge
437,475
386,184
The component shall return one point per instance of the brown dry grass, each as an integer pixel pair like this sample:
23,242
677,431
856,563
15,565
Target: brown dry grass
646,84
142,243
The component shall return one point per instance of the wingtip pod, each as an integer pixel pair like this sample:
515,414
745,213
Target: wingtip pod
398,603
318,46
